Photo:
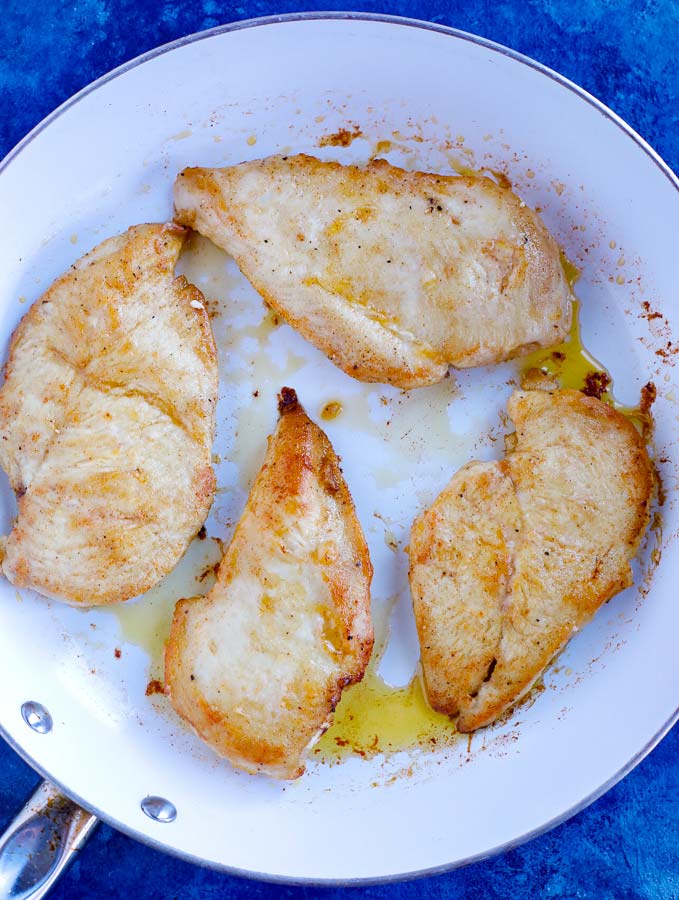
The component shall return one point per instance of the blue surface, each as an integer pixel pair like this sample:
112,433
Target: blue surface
627,844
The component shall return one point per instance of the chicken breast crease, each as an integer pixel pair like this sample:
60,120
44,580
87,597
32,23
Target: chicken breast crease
394,275
258,666
107,421
515,556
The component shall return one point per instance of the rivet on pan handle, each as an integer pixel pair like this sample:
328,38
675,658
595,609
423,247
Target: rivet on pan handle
40,842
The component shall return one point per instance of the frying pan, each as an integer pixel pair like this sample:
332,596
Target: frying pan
74,702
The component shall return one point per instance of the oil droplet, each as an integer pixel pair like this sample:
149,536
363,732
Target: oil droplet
331,410
382,147
252,140
181,135
375,718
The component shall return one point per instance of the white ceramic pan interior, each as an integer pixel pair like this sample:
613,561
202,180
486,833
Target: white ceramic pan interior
441,100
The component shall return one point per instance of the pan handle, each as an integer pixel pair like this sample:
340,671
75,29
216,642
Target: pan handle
40,842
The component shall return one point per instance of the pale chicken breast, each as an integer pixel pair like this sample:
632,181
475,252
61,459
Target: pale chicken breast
107,422
394,275
461,566
516,555
258,666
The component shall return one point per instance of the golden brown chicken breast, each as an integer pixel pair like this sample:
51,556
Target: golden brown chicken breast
394,275
258,666
515,556
107,421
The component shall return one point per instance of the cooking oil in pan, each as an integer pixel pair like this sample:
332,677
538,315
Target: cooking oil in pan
572,366
374,718
146,622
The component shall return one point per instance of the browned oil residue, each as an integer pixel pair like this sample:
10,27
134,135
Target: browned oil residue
641,415
210,570
342,138
331,410
596,384
669,348
382,147
501,177
154,687
649,313
656,528
464,169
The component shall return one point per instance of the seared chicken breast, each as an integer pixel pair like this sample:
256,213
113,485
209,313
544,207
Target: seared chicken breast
394,275
107,421
258,666
516,555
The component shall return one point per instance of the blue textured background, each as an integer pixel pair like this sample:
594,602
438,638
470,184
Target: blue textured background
627,844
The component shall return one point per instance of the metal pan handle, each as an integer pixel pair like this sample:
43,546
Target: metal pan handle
40,843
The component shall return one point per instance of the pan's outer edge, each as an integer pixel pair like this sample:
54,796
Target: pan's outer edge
604,111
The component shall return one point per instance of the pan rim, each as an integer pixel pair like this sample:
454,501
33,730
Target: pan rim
604,111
